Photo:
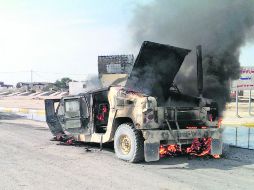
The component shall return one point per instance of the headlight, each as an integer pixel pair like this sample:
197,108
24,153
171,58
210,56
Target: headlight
148,115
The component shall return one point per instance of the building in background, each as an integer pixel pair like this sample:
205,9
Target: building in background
114,69
5,86
246,80
36,86
244,84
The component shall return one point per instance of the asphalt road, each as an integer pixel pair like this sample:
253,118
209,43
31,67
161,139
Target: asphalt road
29,160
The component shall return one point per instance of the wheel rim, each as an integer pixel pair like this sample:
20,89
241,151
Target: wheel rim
125,144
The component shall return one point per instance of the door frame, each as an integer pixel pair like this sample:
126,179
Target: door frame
76,130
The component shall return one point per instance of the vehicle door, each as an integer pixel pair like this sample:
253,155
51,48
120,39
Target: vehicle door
76,116
51,116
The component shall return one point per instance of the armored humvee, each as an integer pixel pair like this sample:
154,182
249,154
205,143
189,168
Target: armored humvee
141,116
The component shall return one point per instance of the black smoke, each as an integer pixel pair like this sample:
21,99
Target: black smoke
221,26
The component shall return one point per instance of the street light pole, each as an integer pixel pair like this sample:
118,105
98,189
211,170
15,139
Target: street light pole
236,101
31,76
250,103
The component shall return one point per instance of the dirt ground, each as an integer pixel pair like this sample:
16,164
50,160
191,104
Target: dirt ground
29,160
22,102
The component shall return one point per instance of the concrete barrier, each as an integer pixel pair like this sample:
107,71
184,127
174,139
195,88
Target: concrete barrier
33,114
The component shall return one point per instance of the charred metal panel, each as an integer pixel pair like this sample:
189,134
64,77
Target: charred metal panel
181,134
199,70
155,69
51,117
184,100
183,114
187,117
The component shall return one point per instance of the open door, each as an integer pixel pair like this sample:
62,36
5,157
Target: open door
76,116
51,117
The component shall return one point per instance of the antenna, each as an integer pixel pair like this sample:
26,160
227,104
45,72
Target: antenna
199,70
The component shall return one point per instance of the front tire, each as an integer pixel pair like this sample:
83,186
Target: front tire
129,143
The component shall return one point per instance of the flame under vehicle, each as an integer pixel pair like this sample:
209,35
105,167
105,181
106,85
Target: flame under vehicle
143,119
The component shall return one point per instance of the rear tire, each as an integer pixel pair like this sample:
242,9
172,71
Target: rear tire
129,143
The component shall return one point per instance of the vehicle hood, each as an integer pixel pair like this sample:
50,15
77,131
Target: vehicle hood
155,68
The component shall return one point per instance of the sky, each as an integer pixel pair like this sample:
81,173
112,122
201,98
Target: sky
63,38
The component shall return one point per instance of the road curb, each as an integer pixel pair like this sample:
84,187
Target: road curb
33,114
237,123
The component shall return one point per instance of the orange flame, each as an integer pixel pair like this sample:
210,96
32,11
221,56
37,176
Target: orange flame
219,122
216,156
199,147
169,150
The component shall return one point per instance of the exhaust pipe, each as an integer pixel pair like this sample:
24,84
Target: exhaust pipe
199,70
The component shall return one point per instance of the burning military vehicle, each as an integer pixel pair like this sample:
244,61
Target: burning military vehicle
147,118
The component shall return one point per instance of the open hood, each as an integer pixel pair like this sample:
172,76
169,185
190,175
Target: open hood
155,69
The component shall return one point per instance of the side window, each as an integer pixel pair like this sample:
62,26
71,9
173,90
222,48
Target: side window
72,108
60,108
84,107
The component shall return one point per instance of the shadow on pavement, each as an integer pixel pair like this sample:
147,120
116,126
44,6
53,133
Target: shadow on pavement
232,158
92,147
9,116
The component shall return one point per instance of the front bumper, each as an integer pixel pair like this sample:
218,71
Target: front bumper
182,136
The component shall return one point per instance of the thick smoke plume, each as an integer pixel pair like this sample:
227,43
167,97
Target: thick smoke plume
220,26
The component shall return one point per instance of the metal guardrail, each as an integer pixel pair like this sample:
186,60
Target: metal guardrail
242,137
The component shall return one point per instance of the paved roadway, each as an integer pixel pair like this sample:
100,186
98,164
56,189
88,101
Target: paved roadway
28,161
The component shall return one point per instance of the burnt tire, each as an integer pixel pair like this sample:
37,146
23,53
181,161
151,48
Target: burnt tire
135,153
